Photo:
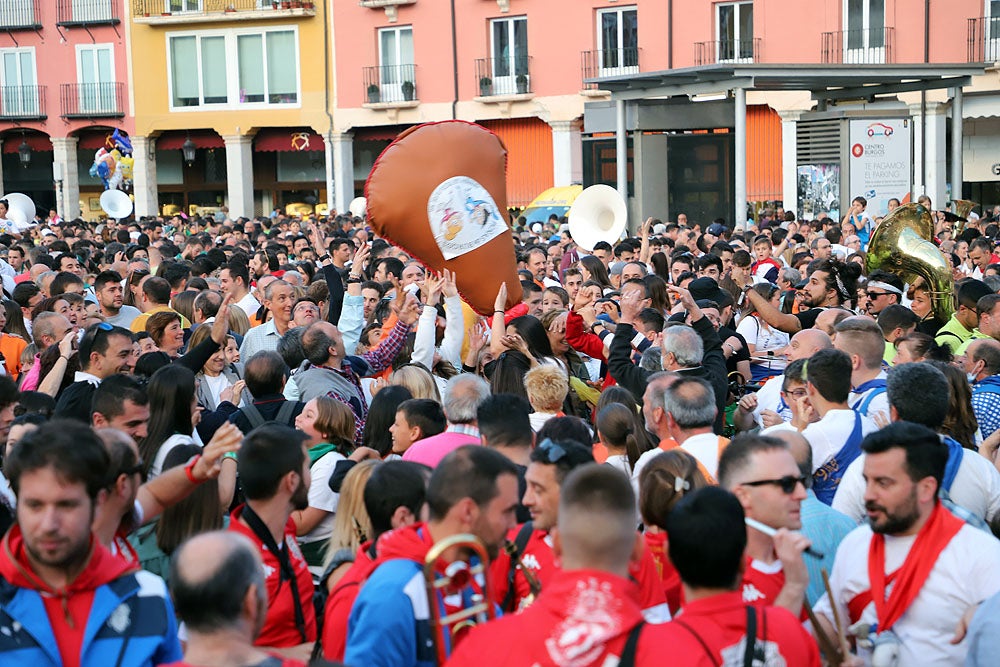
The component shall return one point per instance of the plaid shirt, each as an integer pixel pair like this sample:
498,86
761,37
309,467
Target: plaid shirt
378,360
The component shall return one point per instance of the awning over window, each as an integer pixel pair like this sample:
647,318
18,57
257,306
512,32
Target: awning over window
287,139
172,141
38,142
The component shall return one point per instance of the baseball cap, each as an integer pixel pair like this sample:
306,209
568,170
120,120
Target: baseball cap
716,229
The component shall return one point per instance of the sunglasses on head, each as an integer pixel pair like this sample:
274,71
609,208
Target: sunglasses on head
787,483
552,452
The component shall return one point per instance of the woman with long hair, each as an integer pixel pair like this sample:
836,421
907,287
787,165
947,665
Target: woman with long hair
11,345
506,373
666,479
15,320
133,284
381,415
616,431
661,266
173,415
916,346
656,288
199,512
764,342
960,422
594,269
352,526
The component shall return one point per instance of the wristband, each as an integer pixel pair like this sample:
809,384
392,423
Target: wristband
351,280
189,470
323,258
230,455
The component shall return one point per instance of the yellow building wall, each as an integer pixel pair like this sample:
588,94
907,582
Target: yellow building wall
151,86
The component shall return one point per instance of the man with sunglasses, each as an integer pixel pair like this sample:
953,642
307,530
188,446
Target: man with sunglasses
761,472
551,463
104,350
883,289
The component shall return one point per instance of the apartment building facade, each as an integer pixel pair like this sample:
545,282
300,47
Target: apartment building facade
63,91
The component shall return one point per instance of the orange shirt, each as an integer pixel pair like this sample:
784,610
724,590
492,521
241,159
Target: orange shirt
11,347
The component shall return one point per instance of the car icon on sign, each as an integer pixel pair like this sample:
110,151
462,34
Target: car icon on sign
879,130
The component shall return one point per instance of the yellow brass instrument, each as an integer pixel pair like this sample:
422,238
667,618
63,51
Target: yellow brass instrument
963,207
459,576
902,244
535,586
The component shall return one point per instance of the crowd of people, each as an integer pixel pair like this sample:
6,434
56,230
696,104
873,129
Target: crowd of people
283,441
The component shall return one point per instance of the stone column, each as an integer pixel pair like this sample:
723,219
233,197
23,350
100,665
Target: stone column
342,160
147,202
936,178
239,175
64,153
567,152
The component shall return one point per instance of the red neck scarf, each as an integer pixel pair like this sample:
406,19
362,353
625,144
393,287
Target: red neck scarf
935,535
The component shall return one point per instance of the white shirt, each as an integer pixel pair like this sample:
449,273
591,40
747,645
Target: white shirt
878,404
764,338
705,448
249,304
215,385
769,398
322,497
175,440
976,488
620,462
829,435
964,575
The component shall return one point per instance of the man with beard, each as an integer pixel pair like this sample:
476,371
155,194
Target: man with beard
64,599
473,490
218,582
273,469
110,297
939,568
831,284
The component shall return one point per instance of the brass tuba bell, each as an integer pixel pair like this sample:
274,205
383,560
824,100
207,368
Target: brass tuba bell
902,245
963,207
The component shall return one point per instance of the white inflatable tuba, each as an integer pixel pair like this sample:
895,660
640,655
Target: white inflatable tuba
598,214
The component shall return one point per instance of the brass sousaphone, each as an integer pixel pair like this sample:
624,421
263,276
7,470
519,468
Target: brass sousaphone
902,244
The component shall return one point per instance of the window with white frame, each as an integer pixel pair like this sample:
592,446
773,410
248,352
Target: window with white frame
95,72
235,67
396,61
509,47
618,40
865,25
992,30
179,6
734,31
18,89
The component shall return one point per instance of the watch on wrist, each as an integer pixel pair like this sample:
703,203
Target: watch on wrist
354,280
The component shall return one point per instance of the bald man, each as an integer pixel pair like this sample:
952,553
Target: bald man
982,365
766,407
824,526
217,583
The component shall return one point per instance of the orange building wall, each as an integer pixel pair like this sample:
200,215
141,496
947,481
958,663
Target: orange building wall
763,153
529,157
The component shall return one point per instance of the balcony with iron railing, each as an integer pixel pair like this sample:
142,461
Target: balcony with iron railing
390,85
984,39
608,62
92,100
22,103
72,13
873,46
169,12
20,15
727,51
503,77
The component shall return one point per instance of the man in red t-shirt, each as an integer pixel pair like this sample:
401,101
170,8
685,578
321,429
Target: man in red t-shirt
550,463
761,472
273,468
212,576
589,613
707,539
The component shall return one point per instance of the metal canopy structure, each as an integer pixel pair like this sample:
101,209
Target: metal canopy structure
825,83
